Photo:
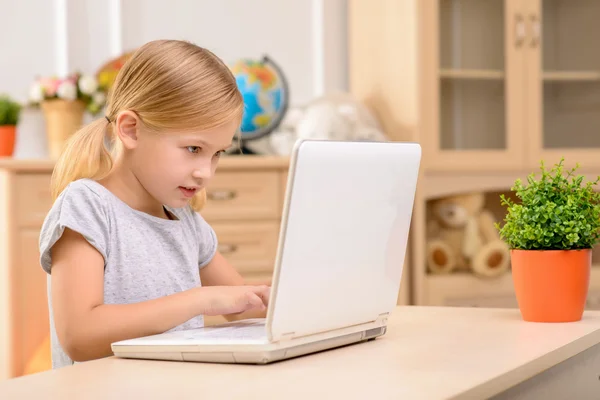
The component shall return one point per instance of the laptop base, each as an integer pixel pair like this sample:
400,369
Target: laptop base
260,354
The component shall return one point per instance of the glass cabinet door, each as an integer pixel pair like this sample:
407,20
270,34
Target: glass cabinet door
477,77
564,75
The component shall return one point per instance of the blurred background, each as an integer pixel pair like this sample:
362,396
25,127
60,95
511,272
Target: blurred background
489,88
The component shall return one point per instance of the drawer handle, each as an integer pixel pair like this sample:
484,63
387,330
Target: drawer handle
227,248
222,195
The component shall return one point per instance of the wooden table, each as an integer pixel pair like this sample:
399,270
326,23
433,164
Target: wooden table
428,353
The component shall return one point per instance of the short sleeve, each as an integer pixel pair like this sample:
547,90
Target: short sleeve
80,209
207,239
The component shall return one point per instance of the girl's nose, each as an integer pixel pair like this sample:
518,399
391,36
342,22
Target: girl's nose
202,171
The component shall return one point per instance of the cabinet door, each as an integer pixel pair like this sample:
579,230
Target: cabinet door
250,247
473,79
563,62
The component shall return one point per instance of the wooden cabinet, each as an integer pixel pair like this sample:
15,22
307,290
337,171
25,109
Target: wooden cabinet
472,76
509,83
499,84
563,80
488,88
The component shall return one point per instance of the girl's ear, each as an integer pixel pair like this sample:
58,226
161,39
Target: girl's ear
127,126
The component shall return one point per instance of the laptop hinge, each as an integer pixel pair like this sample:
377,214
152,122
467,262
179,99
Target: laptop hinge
382,318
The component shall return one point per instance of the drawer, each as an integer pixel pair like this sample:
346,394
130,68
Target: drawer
249,246
233,195
33,199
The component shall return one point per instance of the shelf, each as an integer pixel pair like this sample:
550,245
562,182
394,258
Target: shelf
471,74
568,76
440,184
448,183
468,290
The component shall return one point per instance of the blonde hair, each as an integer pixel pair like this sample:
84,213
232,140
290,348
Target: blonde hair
169,84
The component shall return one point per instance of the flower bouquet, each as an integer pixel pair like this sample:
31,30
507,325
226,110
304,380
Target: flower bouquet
63,102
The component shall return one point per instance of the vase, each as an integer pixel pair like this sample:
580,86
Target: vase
63,118
7,140
551,285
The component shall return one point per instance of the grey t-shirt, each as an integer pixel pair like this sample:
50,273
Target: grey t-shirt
145,257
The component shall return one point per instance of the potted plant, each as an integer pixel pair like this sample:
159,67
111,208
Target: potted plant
9,118
550,233
63,102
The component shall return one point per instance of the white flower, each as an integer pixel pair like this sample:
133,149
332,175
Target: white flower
99,98
36,92
67,90
88,84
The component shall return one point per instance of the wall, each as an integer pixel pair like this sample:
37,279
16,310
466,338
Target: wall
45,37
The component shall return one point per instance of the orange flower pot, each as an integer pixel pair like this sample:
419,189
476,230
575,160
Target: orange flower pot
551,285
7,140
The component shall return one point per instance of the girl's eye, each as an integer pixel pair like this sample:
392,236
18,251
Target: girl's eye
193,149
218,153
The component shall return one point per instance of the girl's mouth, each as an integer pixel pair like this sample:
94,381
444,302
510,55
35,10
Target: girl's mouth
188,192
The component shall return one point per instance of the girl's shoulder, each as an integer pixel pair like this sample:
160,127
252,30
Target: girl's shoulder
82,193
80,196
81,208
87,188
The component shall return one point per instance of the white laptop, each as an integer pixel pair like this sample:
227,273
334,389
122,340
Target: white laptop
339,261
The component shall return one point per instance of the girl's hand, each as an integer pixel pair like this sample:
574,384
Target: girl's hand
222,300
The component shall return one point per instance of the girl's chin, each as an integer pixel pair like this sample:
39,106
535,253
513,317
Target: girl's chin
182,202
175,201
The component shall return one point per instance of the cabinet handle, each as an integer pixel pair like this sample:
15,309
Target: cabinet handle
535,30
221,195
519,30
227,248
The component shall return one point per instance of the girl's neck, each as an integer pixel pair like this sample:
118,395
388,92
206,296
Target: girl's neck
122,183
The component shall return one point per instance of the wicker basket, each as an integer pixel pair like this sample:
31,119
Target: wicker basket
63,119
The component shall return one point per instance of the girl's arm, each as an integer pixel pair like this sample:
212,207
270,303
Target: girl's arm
219,272
86,326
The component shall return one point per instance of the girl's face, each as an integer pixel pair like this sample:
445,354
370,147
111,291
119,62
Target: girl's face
173,166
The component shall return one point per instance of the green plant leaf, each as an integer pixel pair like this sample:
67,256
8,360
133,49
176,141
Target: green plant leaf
10,111
556,212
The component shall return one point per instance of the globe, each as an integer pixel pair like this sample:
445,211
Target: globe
265,92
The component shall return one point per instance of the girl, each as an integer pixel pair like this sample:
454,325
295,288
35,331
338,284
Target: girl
126,251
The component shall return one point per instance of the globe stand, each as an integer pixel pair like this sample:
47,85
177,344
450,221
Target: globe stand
245,151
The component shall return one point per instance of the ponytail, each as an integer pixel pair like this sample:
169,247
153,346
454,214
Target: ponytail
84,156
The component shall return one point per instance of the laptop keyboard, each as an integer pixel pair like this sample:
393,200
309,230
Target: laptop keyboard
238,331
